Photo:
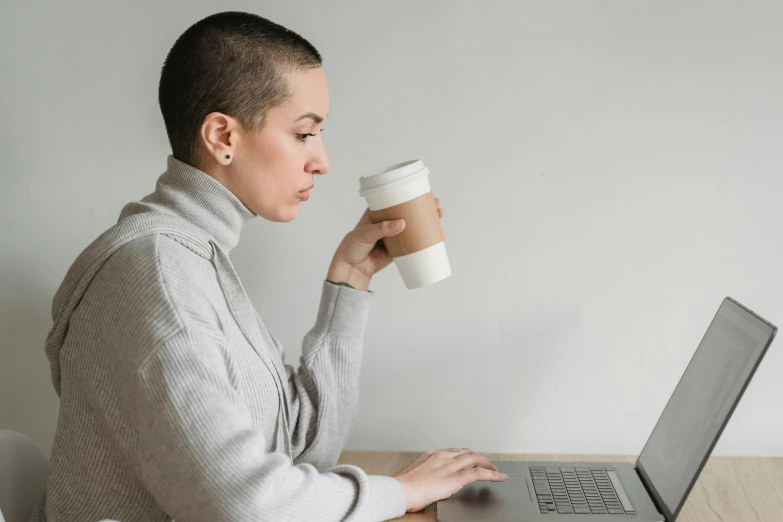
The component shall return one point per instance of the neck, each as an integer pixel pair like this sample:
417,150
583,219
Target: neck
201,199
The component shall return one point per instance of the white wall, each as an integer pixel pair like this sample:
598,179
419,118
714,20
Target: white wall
610,170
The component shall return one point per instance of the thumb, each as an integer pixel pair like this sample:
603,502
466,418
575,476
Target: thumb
370,234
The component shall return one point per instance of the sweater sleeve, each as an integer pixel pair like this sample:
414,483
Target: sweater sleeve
202,459
323,392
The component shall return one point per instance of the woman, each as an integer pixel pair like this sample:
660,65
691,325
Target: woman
175,401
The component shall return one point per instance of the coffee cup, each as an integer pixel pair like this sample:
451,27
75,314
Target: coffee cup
403,191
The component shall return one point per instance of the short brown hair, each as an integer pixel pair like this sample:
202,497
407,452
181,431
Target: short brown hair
231,62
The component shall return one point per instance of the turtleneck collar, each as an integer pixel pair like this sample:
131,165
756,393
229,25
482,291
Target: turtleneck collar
194,195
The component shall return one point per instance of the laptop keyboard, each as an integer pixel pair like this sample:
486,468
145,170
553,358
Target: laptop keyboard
580,491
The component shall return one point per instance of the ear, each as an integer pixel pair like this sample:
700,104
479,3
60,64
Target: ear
219,135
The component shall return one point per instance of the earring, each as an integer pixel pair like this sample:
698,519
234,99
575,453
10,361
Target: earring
228,156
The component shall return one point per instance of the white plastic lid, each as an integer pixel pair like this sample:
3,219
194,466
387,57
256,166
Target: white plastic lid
390,174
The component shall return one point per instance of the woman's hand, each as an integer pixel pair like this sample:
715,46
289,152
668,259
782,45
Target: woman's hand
436,475
362,253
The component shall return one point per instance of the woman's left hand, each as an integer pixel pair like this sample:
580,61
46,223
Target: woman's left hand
362,253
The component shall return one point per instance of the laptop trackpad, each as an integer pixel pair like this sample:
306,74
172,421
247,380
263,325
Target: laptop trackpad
498,500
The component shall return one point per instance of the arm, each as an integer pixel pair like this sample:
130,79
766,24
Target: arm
202,459
323,392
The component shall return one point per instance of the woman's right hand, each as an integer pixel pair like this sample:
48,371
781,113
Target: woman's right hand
436,475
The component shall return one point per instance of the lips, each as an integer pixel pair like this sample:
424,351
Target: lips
304,195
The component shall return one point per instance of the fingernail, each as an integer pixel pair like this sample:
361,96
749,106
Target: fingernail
398,225
504,475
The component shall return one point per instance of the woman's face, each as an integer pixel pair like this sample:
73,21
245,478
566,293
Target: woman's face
271,171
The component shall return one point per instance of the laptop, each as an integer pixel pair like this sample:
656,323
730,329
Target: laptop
655,488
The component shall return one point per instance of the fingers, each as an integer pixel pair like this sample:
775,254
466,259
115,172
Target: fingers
440,210
472,459
450,453
469,475
463,458
371,234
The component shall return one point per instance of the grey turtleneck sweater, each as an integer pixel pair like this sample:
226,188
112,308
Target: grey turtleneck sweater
175,402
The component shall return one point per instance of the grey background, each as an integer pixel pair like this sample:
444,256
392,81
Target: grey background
610,171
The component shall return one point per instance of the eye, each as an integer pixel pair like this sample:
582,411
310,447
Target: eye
303,137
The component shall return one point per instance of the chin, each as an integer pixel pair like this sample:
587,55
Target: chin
288,214
279,215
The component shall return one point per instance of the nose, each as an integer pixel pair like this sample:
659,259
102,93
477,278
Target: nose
319,163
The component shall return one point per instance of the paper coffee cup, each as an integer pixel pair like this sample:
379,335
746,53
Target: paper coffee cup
403,191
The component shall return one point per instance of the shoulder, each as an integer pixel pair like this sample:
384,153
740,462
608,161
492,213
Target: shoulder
157,285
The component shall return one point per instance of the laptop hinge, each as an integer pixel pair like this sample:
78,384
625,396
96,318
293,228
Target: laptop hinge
653,496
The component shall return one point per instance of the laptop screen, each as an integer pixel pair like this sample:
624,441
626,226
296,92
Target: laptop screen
703,401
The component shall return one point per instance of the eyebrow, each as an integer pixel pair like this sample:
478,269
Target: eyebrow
313,116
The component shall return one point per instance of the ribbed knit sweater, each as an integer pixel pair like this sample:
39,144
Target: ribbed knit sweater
175,399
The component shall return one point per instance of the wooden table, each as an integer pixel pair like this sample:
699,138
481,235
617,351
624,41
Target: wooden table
730,489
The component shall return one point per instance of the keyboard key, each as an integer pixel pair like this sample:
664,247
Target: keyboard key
613,511
565,510
541,487
584,510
